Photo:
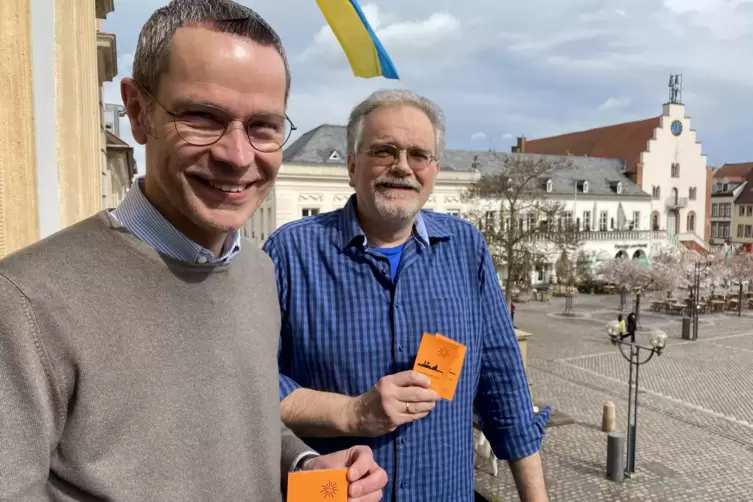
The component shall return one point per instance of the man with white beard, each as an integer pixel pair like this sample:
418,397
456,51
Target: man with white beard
360,286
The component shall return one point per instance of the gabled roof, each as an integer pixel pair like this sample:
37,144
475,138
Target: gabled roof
315,148
622,141
746,196
734,172
113,141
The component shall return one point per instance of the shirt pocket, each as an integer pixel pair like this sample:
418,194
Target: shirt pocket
450,317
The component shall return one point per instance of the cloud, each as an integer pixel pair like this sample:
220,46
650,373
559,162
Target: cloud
614,104
478,136
513,69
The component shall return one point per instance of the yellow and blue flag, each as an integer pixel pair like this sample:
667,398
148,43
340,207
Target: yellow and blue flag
363,49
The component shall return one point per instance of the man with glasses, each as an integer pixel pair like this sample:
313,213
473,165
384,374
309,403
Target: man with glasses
137,347
360,286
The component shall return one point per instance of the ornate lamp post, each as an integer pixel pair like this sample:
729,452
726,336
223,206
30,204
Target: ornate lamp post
699,269
639,355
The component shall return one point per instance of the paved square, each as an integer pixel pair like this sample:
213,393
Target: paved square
695,424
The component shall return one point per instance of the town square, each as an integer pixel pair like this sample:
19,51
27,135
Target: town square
362,250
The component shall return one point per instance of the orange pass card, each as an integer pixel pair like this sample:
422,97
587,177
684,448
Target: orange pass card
456,366
327,485
436,359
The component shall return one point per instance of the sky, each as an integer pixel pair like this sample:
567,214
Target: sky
506,69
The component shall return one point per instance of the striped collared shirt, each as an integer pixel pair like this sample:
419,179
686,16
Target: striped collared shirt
142,219
345,324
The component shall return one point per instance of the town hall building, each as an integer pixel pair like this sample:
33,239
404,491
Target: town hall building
662,155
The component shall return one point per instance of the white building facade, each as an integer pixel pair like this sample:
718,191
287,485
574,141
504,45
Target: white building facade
612,213
662,156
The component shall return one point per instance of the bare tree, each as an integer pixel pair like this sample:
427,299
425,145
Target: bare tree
523,225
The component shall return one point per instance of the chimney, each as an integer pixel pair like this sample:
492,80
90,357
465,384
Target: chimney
521,146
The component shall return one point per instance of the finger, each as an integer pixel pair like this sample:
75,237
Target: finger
416,395
372,497
361,462
417,409
410,378
370,485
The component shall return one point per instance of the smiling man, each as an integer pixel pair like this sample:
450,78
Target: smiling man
137,347
360,286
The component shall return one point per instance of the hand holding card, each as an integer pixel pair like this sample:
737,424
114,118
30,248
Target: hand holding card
327,485
440,359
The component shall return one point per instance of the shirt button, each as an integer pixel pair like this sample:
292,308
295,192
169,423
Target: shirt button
403,484
400,347
202,259
402,441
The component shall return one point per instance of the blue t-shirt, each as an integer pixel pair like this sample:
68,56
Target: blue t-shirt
393,255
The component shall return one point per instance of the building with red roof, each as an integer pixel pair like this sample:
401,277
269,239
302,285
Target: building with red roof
662,155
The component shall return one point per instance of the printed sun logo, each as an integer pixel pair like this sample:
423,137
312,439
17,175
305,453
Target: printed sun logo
329,490
444,352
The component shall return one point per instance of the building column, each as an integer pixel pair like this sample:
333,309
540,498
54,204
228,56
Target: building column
19,219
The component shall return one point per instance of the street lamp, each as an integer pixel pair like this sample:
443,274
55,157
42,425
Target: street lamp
658,341
699,268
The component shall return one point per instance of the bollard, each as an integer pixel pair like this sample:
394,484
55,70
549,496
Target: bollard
609,418
615,456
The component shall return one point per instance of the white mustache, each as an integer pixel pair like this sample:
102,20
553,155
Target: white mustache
398,182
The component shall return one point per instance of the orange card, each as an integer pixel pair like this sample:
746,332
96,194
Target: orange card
440,359
453,374
326,485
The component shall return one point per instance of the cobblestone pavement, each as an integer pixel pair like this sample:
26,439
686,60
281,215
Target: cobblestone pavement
695,424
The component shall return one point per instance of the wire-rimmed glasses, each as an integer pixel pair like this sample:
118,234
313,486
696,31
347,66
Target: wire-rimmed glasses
385,154
205,125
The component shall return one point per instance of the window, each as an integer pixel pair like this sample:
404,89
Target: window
742,210
603,221
740,230
585,187
334,155
691,222
636,219
714,210
750,210
531,221
692,193
586,220
567,219
655,221
619,187
489,220
309,211
724,187
748,230
724,230
656,192
675,170
714,230
549,185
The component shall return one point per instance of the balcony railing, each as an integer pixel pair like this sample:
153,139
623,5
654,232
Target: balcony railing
677,202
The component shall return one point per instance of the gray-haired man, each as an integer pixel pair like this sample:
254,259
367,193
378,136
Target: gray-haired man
137,348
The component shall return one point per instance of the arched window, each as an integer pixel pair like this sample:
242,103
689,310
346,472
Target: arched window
549,185
691,221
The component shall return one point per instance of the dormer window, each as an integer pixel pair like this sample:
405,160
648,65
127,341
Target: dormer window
334,155
616,186
549,186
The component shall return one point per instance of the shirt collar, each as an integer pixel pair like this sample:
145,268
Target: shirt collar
425,232
141,218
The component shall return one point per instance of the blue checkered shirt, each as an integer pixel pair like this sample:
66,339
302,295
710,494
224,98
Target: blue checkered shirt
345,325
